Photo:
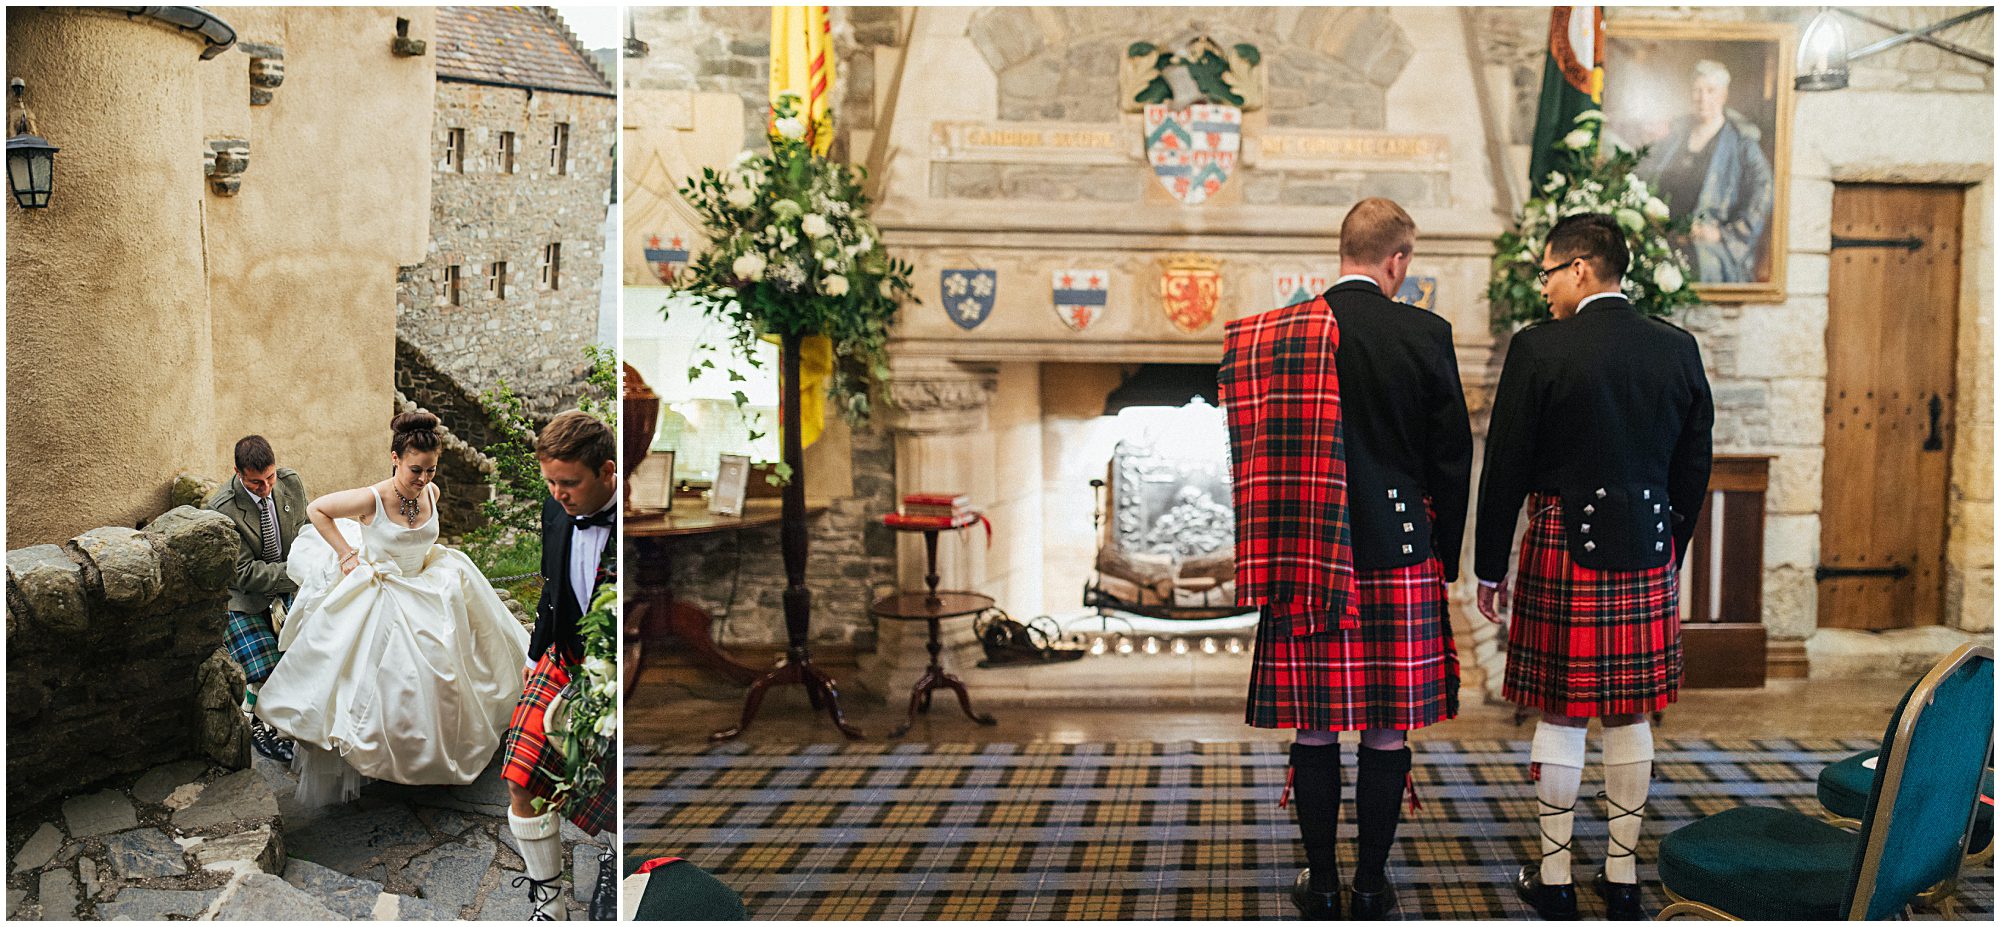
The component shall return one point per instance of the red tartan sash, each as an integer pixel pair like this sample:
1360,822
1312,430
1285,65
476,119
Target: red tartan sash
1294,537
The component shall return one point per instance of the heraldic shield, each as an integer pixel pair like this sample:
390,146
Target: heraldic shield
1079,296
968,295
666,257
1193,150
1190,291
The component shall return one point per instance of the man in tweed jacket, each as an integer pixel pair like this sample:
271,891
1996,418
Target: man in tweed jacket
268,505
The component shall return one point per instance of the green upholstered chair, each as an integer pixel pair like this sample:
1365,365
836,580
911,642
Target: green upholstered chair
1776,864
1843,792
668,889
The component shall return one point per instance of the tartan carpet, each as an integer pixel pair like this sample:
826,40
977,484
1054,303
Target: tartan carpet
1140,831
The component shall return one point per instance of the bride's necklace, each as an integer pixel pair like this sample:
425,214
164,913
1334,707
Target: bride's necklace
405,505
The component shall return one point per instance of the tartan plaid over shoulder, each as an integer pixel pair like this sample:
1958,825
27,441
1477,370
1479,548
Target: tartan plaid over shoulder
1294,539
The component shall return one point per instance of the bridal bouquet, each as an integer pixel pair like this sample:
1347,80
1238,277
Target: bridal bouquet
592,702
1589,180
792,252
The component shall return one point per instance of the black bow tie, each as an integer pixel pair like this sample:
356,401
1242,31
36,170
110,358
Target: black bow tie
603,519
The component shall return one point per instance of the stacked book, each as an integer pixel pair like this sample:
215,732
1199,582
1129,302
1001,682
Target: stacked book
933,510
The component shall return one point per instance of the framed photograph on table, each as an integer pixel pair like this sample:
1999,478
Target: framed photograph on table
1711,102
732,478
653,482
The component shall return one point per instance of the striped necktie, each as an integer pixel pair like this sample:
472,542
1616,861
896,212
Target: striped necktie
270,531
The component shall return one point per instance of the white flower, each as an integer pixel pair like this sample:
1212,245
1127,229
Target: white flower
596,666
834,285
1668,278
1555,180
740,197
607,689
749,267
1656,209
815,226
1526,256
744,160
1630,220
1637,187
792,128
607,726
1577,140
1589,115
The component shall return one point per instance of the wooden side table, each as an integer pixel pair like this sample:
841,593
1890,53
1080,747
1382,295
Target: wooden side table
932,606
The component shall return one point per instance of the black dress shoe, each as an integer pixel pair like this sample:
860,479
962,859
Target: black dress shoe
604,898
1621,899
268,743
1552,902
1312,905
1371,906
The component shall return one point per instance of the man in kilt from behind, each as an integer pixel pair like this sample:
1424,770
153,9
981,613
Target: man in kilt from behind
578,458
1351,455
1601,425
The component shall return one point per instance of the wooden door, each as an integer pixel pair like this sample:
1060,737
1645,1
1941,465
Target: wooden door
1892,327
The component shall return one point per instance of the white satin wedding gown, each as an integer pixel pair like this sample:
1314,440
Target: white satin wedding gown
406,669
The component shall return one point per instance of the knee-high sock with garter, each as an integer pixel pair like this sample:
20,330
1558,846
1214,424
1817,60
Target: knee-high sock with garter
540,838
1316,800
1378,808
1628,776
1559,751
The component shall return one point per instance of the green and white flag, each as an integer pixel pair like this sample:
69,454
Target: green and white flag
1572,82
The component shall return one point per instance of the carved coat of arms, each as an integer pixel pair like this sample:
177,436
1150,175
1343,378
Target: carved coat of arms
1079,296
666,257
1193,150
968,295
1190,291
1193,96
1296,286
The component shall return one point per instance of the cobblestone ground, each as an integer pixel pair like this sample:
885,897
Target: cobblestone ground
192,841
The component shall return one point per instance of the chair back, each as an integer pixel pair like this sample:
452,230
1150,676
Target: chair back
1926,786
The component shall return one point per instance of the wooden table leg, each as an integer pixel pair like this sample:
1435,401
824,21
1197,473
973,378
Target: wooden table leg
797,668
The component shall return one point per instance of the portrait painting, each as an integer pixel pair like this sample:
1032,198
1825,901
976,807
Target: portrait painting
1710,104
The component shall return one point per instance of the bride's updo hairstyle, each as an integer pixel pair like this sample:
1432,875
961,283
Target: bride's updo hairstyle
414,431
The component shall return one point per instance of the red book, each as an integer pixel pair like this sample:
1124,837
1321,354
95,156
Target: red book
899,520
956,500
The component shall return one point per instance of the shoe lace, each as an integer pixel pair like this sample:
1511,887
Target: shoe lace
1623,812
1557,809
536,896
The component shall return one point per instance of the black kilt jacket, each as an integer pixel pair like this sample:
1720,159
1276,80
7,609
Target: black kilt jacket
1611,412
1408,438
557,614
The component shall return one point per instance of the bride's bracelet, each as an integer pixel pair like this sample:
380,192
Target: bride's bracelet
351,555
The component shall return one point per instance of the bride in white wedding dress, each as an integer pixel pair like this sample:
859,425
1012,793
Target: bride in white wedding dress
398,660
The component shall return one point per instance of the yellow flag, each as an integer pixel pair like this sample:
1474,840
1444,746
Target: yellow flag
815,372
802,63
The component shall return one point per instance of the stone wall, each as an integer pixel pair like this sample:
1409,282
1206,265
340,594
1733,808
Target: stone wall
109,637
463,468
533,336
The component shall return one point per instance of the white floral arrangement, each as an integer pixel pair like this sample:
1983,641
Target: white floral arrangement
1589,180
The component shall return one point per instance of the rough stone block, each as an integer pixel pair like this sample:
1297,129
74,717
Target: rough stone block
1791,603
51,584
261,848
1783,341
105,812
58,897
1808,274
241,796
350,842
152,904
127,566
40,848
160,781
1811,213
1796,482
261,896
204,544
224,733
417,909
191,489
1791,540
145,853
1798,415
342,894
449,875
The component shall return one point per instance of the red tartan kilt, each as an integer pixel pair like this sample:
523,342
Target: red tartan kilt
1589,642
1397,669
533,765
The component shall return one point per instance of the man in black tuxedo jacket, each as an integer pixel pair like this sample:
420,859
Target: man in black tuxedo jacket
579,462
1601,423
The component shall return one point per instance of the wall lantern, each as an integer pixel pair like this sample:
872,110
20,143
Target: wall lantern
1823,56
31,160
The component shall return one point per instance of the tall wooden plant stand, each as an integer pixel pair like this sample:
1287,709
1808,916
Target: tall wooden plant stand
798,667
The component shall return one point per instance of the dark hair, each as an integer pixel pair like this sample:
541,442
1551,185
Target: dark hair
1595,237
415,431
576,436
1375,229
254,454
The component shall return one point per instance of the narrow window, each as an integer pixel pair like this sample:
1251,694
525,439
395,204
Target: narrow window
496,280
454,151
506,153
552,266
453,295
559,149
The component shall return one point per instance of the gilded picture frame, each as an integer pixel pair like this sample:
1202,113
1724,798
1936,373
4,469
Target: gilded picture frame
1712,103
